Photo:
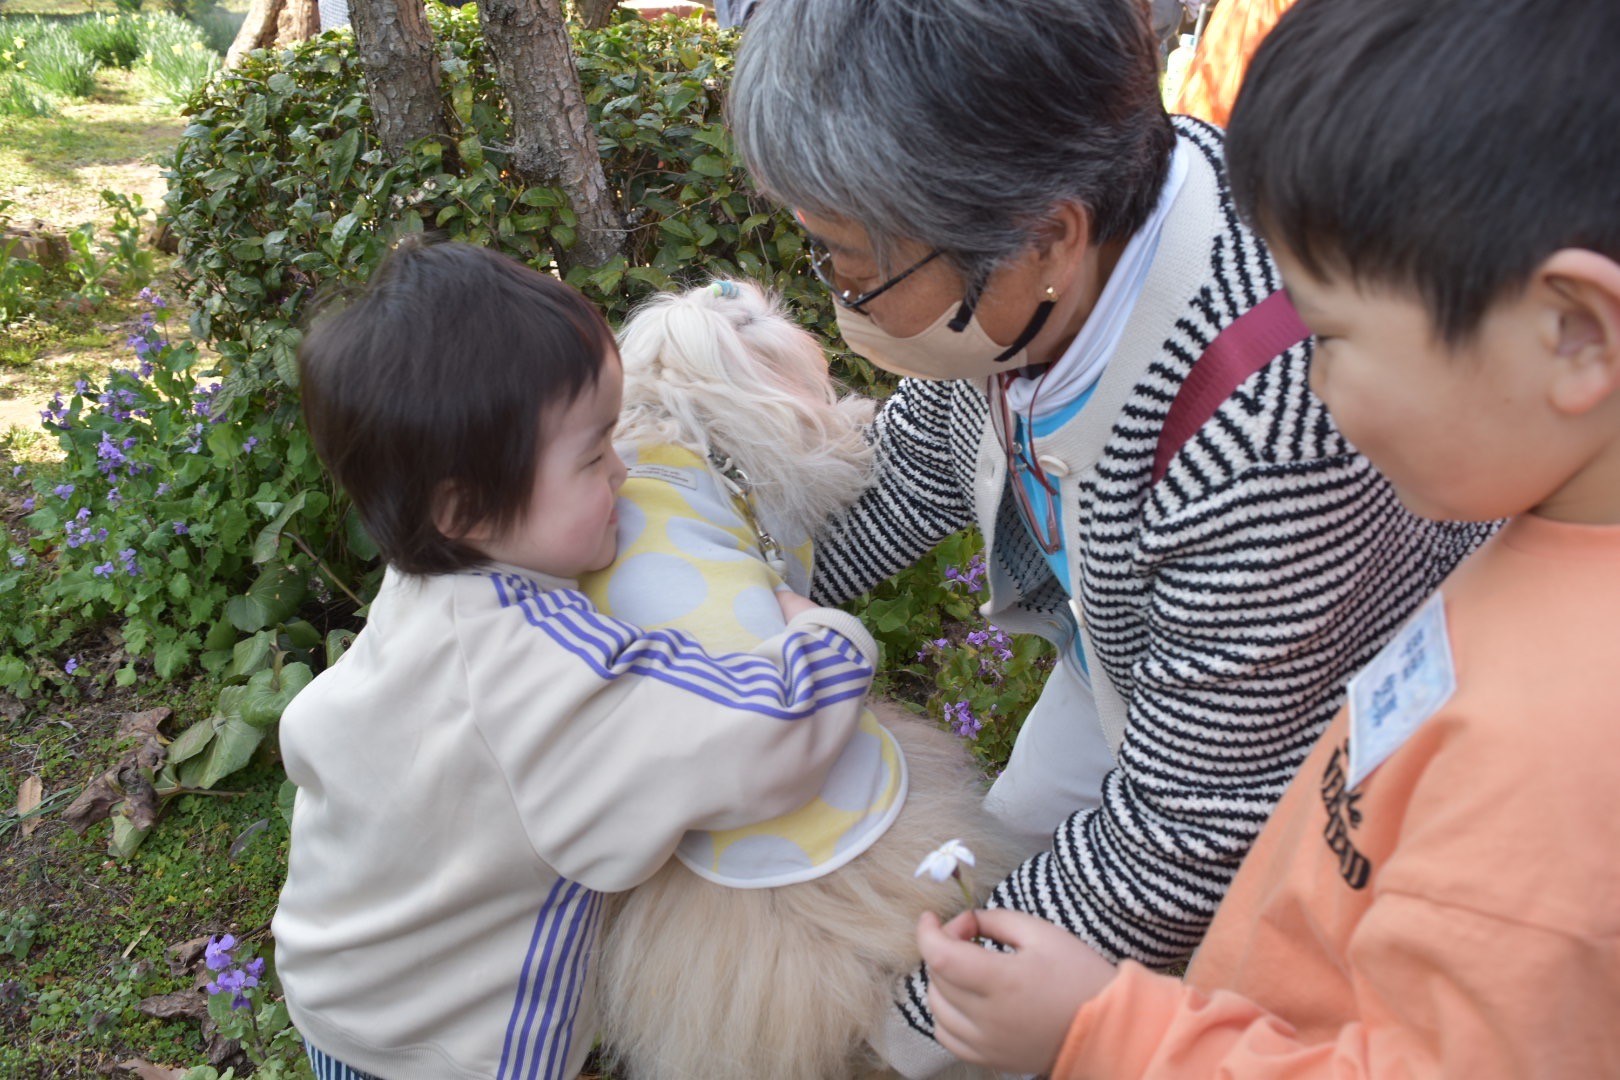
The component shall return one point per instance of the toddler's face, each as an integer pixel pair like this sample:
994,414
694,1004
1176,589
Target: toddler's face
570,527
1463,433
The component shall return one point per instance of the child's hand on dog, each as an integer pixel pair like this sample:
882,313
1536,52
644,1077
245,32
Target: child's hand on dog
793,604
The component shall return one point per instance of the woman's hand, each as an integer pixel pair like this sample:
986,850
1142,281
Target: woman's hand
1009,1011
793,604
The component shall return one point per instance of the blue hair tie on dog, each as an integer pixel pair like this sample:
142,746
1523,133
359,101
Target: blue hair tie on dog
726,290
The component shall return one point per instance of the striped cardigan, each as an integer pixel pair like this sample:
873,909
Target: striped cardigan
1228,604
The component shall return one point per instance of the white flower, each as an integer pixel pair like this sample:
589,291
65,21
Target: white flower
942,862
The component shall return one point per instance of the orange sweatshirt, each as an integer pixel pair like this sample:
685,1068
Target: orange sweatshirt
1456,912
1236,29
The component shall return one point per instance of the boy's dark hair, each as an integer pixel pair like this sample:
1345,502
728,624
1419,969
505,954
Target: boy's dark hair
424,395
1447,147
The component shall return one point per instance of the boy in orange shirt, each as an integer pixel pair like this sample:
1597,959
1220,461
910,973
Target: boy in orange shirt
1438,893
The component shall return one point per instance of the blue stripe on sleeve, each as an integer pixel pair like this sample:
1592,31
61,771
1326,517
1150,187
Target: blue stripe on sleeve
822,667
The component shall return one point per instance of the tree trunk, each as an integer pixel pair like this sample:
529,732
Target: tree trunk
554,141
595,14
402,71
274,22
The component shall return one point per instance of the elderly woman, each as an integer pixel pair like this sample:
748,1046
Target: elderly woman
1005,214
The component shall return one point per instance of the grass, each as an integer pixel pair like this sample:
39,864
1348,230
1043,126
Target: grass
103,929
54,169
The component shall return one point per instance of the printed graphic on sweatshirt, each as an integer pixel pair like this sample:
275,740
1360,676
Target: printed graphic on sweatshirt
1343,818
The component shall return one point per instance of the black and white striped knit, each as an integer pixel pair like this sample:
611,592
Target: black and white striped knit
1228,604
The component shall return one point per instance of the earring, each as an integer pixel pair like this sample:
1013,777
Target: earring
1051,294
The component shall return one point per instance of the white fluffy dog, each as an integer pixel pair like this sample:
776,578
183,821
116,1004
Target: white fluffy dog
753,980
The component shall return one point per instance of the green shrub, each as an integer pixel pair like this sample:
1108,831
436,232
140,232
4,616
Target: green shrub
176,59
55,61
279,189
114,40
211,535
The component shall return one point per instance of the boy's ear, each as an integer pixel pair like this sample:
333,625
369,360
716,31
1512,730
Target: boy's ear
1583,288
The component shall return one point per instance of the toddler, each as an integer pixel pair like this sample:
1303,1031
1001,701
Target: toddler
493,754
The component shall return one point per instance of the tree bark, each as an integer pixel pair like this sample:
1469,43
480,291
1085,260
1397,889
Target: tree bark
595,14
274,22
402,72
554,140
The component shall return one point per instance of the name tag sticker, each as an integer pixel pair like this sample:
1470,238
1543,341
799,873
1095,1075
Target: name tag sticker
1404,685
681,478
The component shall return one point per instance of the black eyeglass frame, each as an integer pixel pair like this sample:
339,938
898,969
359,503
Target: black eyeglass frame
821,267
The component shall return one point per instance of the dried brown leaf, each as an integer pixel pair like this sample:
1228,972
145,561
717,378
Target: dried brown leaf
184,955
28,797
145,1070
95,802
129,781
180,1005
142,724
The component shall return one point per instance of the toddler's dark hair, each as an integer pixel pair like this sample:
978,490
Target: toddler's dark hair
1443,147
424,394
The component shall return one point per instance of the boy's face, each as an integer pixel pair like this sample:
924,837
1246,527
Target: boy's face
570,527
1463,433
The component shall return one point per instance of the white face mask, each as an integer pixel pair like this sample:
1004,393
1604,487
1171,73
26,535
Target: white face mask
953,346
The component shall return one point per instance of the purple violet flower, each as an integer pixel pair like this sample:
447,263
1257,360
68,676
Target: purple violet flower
962,721
102,569
217,955
72,665
28,505
63,491
181,528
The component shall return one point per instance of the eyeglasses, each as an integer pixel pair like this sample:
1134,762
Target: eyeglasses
1021,460
821,266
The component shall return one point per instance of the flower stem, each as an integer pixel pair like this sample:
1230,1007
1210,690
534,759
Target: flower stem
967,893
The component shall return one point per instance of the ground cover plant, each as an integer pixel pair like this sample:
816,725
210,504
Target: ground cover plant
173,548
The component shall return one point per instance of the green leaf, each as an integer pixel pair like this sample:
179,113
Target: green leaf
171,657
191,742
344,228
284,800
266,694
268,543
272,597
541,196
301,635
252,654
230,747
711,165
125,837
344,151
337,643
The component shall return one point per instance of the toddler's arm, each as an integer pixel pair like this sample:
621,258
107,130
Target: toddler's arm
616,741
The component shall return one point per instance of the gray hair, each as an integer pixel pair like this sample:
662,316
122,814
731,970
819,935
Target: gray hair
960,124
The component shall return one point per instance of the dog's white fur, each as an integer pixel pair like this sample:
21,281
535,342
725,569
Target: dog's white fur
702,982
736,375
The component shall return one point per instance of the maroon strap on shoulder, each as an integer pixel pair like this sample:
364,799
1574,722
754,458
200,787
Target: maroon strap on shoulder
1249,343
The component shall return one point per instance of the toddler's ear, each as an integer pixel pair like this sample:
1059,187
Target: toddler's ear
445,507
1584,291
